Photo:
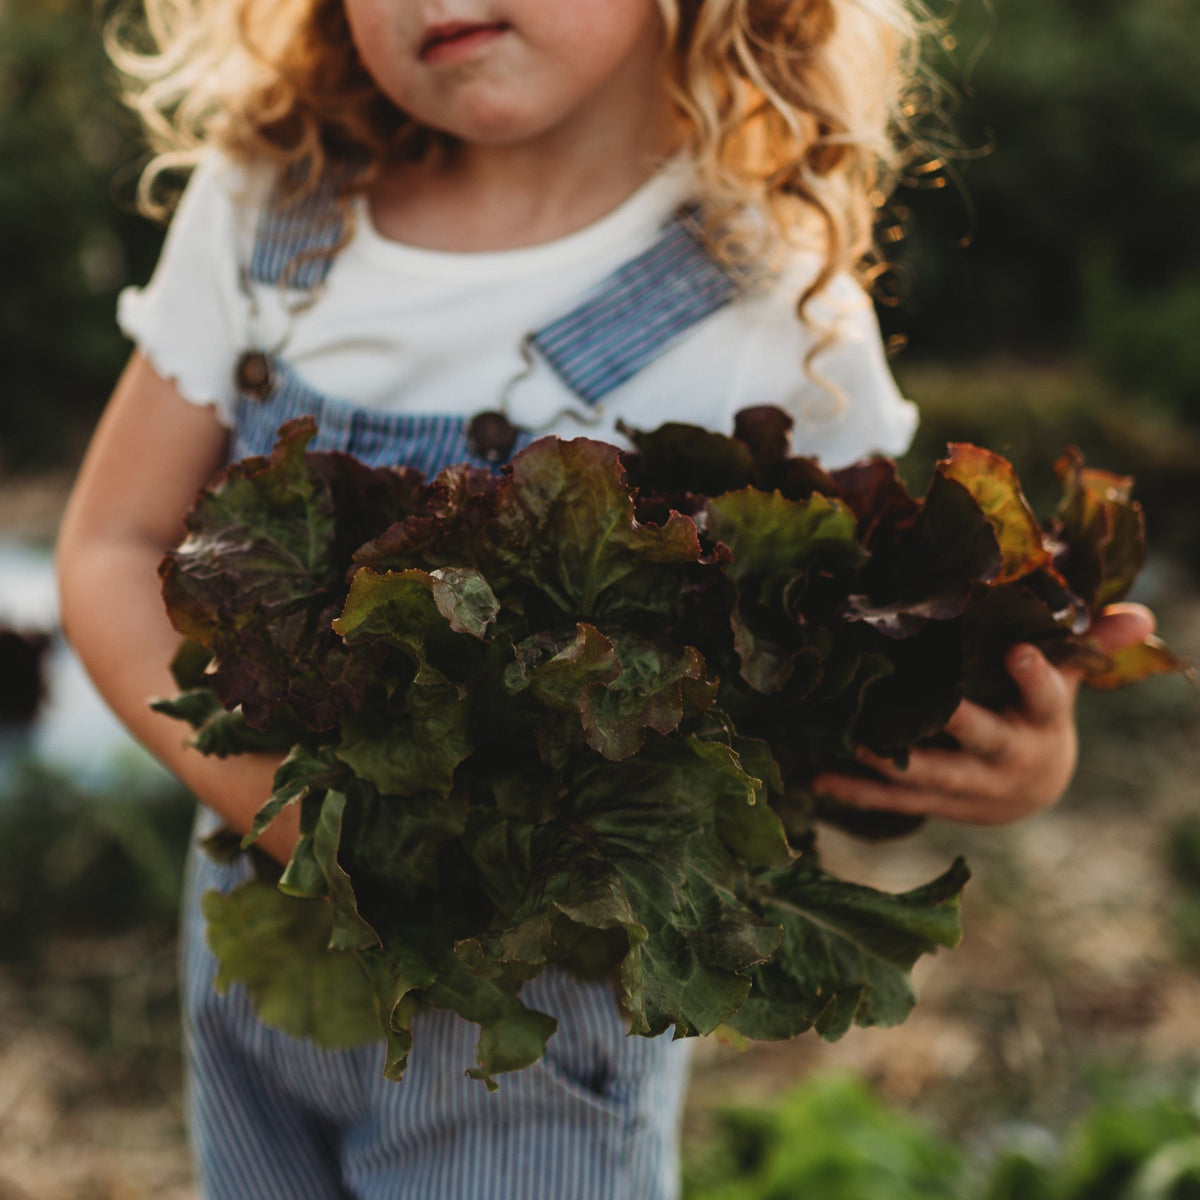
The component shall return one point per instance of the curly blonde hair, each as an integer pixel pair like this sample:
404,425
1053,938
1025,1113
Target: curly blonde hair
801,111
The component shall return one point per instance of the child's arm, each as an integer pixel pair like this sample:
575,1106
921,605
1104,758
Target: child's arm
1011,764
151,453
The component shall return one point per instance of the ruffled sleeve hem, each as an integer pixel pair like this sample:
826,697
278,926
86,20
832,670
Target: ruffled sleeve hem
170,358
192,319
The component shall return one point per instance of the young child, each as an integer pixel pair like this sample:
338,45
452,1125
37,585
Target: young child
406,213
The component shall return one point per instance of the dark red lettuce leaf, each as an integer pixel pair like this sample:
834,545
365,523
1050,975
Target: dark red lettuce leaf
261,575
993,485
878,498
1102,531
677,459
924,570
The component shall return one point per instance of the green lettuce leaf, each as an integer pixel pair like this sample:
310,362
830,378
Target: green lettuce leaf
413,751
436,618
277,947
222,733
770,535
847,951
638,850
564,524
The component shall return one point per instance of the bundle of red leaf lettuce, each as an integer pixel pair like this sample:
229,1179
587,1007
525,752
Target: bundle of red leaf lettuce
566,715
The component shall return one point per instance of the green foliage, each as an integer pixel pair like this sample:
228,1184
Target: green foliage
832,1138
75,863
1143,338
1018,1175
1183,860
278,948
1145,1148
1109,1155
66,246
1078,209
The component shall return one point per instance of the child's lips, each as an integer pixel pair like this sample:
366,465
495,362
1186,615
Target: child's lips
457,39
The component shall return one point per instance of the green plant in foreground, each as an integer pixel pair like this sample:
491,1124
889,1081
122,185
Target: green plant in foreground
832,1139
1121,1149
1183,860
1133,1150
80,862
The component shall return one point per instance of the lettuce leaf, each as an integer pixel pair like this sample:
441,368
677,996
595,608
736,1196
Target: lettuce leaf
567,716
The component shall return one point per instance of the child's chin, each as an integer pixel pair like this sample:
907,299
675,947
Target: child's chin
497,128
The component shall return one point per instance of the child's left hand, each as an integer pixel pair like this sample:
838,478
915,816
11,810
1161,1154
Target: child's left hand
1010,764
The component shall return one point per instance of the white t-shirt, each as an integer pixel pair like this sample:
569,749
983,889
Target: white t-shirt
399,328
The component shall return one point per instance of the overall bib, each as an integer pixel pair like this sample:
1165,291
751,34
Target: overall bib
275,1118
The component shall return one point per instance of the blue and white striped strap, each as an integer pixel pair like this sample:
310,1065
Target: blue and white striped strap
627,321
630,318
297,238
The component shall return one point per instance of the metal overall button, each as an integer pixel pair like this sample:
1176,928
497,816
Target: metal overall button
254,375
491,436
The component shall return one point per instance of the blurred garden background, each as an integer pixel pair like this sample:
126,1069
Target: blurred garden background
1046,293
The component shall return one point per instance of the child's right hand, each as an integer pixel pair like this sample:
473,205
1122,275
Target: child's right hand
1008,765
151,454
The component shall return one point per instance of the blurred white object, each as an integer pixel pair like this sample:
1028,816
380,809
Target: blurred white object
74,731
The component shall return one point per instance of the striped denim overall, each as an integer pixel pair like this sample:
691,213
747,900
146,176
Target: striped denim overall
275,1118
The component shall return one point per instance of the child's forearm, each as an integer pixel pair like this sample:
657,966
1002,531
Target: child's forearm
113,615
151,453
